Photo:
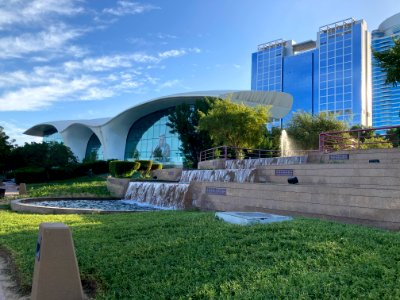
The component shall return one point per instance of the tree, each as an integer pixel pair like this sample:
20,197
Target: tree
376,142
183,121
5,148
235,125
305,128
364,134
393,135
45,155
389,61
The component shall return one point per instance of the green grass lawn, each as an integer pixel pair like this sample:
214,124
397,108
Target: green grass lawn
191,255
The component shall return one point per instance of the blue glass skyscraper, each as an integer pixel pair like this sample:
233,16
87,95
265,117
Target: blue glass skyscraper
385,98
331,74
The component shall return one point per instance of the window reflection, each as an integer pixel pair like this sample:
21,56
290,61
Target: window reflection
94,148
150,139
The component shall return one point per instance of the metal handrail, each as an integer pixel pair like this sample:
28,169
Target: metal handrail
355,140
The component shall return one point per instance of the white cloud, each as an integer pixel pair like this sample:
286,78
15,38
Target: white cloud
91,78
129,8
169,83
103,63
15,132
53,39
35,12
34,98
172,53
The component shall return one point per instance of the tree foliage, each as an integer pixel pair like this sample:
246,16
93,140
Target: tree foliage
376,142
46,155
393,135
184,121
5,148
389,61
305,128
235,125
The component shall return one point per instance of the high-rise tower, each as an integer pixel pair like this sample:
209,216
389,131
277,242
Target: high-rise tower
385,97
331,74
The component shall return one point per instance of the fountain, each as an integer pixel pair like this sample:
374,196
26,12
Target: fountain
161,194
286,144
239,175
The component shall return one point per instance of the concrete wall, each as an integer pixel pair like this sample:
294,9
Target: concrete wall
374,175
117,186
173,174
357,156
212,164
375,206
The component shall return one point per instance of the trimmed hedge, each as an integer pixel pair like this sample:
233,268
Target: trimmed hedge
97,167
156,166
30,175
145,165
118,168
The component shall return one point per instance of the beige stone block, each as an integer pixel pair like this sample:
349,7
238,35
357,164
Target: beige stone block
56,272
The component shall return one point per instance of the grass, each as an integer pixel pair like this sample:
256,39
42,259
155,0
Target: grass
88,186
191,255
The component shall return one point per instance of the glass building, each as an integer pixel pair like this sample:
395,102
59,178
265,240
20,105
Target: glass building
331,74
150,138
385,97
52,136
94,147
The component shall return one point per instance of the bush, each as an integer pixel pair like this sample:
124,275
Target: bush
30,175
145,165
60,173
119,168
97,167
156,166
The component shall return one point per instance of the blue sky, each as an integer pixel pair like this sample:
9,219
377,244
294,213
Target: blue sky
81,59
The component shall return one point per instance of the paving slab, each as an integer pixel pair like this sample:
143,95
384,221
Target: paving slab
250,218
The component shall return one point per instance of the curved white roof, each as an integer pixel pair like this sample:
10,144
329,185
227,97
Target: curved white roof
390,24
281,104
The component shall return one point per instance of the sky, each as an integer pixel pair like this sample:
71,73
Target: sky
87,59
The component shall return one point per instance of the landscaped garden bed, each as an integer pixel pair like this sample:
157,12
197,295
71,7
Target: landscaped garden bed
176,254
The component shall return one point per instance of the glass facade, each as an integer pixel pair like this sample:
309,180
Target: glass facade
299,81
150,138
52,136
94,146
323,76
385,97
269,66
336,72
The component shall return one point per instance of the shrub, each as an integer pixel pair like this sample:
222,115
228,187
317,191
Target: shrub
145,165
60,173
156,166
30,175
119,168
97,167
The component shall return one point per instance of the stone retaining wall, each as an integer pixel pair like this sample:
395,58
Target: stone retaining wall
376,206
117,186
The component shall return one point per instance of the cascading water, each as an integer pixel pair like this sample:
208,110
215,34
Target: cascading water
161,194
172,195
259,162
224,175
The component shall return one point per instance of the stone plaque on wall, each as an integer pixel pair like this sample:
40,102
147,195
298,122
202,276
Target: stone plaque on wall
215,191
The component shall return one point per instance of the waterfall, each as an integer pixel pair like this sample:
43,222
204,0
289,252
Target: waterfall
162,194
259,162
172,195
223,175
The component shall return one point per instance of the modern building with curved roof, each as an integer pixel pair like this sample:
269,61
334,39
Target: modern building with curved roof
141,132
